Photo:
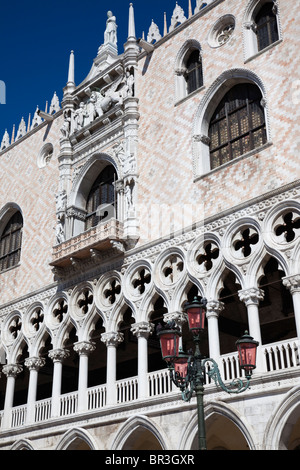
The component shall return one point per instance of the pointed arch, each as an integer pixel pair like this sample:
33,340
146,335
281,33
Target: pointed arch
137,424
285,415
189,433
188,69
73,439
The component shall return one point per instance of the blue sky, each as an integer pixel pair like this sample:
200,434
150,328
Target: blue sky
36,37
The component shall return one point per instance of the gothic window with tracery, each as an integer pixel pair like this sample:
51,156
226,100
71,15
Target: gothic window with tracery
101,201
193,74
10,242
237,125
266,26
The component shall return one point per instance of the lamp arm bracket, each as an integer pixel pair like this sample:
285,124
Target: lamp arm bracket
213,372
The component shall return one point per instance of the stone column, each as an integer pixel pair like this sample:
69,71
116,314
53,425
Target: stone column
293,284
57,356
83,348
213,309
251,297
142,330
33,364
11,371
111,340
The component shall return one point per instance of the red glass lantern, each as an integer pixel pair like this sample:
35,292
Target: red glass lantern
196,314
247,348
169,343
181,366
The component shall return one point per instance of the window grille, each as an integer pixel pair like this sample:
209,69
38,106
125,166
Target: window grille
266,26
101,201
237,125
10,242
193,74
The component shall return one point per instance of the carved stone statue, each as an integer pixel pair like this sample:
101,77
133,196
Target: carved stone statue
65,130
60,233
110,35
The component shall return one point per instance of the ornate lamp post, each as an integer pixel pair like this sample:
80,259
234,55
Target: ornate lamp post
188,372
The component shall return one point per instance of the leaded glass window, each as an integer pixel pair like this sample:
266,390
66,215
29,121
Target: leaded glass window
266,26
193,74
10,242
237,125
101,201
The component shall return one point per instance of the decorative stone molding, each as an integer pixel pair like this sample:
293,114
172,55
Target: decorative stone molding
214,308
12,370
84,348
59,355
143,329
34,363
112,338
251,296
178,317
292,283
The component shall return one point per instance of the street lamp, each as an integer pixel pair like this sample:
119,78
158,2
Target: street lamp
188,371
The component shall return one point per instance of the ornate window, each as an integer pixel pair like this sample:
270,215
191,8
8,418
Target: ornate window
262,26
193,74
188,69
237,125
10,242
101,201
266,26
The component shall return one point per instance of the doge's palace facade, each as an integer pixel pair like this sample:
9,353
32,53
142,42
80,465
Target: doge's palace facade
171,171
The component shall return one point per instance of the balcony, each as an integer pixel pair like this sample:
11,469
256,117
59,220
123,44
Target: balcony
82,246
278,358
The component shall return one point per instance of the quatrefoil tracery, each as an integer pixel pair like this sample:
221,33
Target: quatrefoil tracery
112,292
211,253
244,241
172,269
140,280
15,327
37,319
287,227
85,300
60,310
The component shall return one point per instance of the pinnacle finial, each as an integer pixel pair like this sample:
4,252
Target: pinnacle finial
131,23
71,74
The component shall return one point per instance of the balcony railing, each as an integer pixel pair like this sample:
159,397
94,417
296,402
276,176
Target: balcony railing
87,243
277,357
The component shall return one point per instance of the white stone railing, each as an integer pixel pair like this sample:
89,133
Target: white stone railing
283,355
159,383
18,417
229,367
43,410
68,404
97,397
277,356
127,390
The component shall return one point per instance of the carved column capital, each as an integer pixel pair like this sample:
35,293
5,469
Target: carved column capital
34,363
112,338
142,329
58,355
84,348
292,283
12,370
251,296
178,317
214,308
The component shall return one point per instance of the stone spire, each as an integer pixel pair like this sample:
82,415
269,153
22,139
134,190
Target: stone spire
71,74
131,24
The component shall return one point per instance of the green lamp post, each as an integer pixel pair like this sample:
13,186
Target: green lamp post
188,371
